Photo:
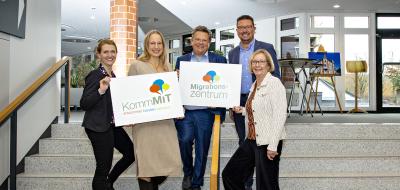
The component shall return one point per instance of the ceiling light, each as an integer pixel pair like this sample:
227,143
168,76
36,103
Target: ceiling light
89,47
217,23
336,6
183,2
93,16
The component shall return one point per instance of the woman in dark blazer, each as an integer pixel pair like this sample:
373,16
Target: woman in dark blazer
99,121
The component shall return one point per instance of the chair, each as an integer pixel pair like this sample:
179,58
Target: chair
356,67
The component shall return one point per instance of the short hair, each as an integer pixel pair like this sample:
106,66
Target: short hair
204,29
103,42
268,57
245,17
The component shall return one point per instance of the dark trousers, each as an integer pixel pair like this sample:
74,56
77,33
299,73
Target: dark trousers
239,120
103,144
246,157
240,127
196,128
153,184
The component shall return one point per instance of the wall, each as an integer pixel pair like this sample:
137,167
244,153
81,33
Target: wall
4,91
28,59
265,30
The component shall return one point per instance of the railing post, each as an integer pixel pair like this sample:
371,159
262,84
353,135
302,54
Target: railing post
66,91
13,151
215,161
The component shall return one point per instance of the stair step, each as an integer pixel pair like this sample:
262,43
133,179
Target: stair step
315,147
294,131
55,164
359,181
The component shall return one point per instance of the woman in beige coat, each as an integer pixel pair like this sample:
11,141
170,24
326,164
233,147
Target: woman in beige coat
156,143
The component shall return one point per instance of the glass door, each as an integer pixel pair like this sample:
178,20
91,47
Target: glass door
388,63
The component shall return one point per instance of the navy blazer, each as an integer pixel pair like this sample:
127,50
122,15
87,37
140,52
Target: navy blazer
234,56
212,58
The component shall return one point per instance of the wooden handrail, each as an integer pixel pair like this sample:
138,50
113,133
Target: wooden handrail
17,102
214,185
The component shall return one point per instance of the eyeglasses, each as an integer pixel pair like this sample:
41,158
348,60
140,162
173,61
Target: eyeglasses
245,27
258,62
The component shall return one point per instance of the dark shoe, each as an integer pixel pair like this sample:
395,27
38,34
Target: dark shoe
145,185
248,188
109,186
196,188
187,183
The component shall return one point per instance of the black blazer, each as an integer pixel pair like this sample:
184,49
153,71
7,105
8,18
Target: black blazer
99,114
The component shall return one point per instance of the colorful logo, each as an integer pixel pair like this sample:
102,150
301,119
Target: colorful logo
159,86
211,77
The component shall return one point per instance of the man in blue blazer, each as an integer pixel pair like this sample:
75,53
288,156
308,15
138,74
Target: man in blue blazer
197,124
241,55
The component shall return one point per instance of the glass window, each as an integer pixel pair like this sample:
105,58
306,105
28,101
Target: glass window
388,22
391,73
326,94
227,34
290,47
327,40
289,23
324,21
174,44
357,48
356,22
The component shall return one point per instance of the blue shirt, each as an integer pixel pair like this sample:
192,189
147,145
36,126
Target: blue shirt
194,58
247,79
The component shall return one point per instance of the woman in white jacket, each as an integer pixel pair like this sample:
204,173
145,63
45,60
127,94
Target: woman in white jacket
265,116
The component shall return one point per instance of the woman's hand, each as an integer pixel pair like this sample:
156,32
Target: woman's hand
104,84
238,109
271,154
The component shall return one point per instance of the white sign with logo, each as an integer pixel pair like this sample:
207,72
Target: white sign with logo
210,84
144,98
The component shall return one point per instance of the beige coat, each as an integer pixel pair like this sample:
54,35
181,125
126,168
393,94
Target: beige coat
156,143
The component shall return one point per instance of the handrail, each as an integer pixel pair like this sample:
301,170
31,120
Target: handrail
24,96
11,110
214,177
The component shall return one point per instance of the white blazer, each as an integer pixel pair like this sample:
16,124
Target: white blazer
269,112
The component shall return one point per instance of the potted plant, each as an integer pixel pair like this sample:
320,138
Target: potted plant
78,74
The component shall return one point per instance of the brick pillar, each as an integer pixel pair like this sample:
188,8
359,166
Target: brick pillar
123,31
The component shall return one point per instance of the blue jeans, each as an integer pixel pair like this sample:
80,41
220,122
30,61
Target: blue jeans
196,127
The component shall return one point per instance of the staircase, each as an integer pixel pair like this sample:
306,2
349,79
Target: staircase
315,157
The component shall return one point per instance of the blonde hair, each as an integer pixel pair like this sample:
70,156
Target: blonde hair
145,57
268,57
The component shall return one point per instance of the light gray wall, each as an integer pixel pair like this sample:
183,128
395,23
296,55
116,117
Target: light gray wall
265,30
4,91
28,59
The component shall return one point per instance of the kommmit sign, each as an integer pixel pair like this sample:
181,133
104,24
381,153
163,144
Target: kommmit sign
210,84
145,98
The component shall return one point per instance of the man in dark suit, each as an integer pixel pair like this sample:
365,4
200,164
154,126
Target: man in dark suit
241,55
197,124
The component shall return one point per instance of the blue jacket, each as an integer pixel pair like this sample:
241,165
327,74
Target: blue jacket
212,58
234,56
